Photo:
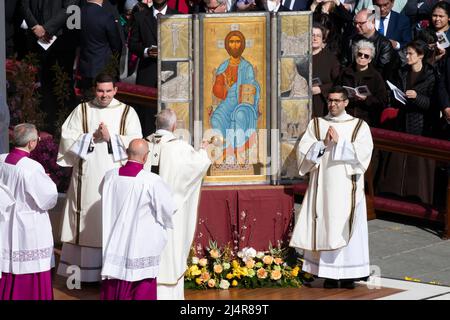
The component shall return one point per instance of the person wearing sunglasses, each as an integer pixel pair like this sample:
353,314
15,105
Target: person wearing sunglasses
385,58
367,106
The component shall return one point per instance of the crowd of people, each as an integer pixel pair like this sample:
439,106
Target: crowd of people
392,34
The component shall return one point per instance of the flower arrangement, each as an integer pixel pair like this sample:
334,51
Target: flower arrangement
22,91
222,269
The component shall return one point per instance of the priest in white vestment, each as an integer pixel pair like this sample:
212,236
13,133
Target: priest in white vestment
27,240
331,227
137,213
6,202
94,139
183,169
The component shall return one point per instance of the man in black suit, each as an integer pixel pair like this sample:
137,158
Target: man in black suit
10,15
393,25
99,42
45,19
144,42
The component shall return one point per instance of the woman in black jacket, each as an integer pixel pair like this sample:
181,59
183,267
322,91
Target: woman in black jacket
405,175
417,80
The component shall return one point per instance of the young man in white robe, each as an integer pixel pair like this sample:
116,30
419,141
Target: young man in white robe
27,240
94,139
183,169
331,227
6,202
137,213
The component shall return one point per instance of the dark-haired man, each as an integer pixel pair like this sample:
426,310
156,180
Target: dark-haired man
332,225
93,140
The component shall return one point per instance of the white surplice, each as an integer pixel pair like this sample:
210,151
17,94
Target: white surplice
183,169
27,236
331,226
137,212
6,202
82,224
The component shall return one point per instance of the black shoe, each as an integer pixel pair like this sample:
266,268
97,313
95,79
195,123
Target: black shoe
331,284
347,284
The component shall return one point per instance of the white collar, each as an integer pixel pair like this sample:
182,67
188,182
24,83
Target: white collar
387,17
163,132
344,116
163,11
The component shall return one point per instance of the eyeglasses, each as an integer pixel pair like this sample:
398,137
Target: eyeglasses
356,23
334,101
363,55
213,9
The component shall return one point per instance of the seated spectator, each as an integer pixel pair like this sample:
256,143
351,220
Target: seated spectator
401,174
326,70
365,106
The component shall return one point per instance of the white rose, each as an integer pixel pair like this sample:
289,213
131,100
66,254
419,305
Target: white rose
260,254
224,284
226,266
195,260
250,252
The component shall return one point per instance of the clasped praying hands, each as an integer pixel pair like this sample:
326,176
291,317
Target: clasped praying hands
102,133
332,136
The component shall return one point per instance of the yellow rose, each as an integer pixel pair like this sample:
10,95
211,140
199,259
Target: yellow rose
278,261
211,283
198,281
194,271
218,268
234,283
275,275
235,264
294,272
230,276
261,273
214,254
268,260
243,271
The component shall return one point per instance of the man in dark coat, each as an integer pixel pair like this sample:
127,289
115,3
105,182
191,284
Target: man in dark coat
144,44
46,19
393,25
100,41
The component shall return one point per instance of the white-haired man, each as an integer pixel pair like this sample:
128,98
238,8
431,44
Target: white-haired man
27,236
182,168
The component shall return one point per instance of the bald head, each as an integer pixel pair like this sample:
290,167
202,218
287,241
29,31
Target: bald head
364,22
138,150
166,119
